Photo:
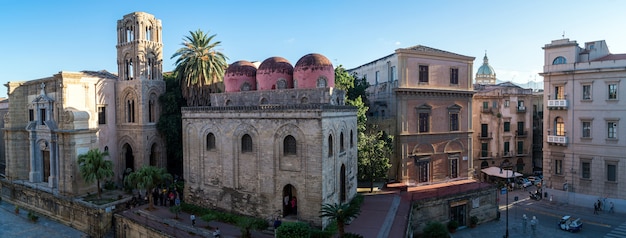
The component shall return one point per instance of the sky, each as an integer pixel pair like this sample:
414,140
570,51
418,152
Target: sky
41,38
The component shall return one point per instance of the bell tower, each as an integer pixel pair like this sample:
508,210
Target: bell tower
139,85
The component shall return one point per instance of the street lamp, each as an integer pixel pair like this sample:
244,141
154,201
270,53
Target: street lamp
506,235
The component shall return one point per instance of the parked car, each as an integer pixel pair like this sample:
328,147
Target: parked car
524,182
534,179
569,224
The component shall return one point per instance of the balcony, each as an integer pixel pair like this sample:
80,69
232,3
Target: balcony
485,136
485,109
521,134
521,152
521,109
557,104
557,140
507,154
484,154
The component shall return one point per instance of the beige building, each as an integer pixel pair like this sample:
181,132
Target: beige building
279,136
584,147
52,120
423,97
504,123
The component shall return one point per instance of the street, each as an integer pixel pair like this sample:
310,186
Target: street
548,213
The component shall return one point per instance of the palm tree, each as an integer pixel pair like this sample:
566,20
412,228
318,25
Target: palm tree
341,213
93,166
147,177
199,68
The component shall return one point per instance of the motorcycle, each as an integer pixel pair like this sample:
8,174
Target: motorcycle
535,196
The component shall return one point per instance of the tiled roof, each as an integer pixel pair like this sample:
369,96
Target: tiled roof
611,57
432,50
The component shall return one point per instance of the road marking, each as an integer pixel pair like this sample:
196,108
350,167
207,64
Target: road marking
619,231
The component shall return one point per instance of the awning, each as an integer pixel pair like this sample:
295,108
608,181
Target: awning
502,173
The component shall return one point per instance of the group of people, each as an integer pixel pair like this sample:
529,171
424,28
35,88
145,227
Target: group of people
597,207
533,223
291,205
165,197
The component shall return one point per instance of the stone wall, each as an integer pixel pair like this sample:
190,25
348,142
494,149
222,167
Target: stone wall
480,203
94,220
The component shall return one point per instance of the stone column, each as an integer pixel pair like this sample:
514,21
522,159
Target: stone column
34,174
52,179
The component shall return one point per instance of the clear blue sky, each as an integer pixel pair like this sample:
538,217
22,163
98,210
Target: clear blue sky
41,38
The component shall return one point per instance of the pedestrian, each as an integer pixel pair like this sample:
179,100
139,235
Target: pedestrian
216,232
287,205
533,225
611,209
595,208
599,205
524,222
294,205
193,219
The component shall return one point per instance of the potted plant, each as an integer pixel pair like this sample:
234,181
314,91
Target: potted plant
17,209
32,216
452,225
473,221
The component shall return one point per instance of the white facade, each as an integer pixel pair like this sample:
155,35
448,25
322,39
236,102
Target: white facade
584,144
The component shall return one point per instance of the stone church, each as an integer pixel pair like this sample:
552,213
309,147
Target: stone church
280,140
50,121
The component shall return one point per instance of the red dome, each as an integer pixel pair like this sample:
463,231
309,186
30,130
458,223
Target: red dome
273,73
314,71
240,76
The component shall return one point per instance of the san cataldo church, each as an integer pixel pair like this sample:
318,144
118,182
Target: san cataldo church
279,132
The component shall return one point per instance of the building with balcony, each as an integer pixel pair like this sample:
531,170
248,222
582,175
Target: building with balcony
503,134
423,97
584,149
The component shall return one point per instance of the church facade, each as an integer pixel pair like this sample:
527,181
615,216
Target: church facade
279,140
51,121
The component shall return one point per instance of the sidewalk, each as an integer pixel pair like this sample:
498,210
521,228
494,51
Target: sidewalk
165,221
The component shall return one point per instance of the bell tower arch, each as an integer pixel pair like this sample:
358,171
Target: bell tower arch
140,81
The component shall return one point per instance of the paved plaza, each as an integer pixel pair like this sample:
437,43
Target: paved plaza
18,225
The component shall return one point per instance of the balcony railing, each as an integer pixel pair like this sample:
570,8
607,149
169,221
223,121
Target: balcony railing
521,133
485,109
557,104
521,109
507,154
485,135
521,152
484,154
557,140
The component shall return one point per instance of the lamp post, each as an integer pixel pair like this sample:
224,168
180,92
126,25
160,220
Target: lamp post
506,235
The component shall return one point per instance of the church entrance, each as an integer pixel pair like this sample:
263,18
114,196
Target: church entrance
290,202
127,153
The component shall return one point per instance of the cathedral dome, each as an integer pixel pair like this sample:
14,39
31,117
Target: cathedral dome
485,74
314,71
274,73
240,76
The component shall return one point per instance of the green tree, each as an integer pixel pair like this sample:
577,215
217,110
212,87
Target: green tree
199,68
170,123
93,167
147,177
341,213
375,148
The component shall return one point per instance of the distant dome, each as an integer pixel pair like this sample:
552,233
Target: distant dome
314,71
240,76
274,73
485,74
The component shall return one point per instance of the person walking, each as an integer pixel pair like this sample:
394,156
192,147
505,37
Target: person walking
595,208
216,232
524,222
193,219
611,208
533,225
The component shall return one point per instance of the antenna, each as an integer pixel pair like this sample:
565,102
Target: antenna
563,35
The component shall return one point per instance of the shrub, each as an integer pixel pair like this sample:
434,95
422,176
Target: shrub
32,216
453,224
473,220
293,230
435,230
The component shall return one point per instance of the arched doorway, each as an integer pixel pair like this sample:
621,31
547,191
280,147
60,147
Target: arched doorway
342,178
154,154
290,202
127,153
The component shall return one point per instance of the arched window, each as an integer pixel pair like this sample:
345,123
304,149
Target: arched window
341,141
210,141
321,82
246,143
151,111
289,145
330,145
559,60
130,110
559,126
351,139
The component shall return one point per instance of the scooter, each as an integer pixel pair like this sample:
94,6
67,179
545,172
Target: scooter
535,196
